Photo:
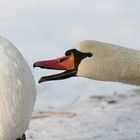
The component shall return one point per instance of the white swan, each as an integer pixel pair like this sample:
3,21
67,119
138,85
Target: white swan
96,60
17,93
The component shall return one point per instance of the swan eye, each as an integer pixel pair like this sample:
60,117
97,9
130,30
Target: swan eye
89,54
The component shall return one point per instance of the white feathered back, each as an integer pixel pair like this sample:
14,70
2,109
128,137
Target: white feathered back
17,92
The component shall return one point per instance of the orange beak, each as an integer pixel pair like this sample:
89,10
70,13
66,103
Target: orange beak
63,63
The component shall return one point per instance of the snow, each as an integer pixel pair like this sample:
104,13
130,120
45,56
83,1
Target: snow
114,117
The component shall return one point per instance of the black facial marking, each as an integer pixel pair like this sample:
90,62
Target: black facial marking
78,56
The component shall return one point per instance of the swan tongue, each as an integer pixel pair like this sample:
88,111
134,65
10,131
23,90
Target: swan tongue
60,76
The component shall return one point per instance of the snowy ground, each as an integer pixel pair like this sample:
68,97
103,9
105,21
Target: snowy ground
100,118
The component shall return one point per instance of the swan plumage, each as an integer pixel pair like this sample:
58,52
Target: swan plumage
17,92
96,60
109,62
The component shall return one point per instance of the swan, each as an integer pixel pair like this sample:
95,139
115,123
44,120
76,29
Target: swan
96,60
17,92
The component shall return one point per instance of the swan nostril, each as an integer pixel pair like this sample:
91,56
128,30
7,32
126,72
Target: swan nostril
61,60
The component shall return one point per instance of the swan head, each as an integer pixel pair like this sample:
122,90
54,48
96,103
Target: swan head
70,63
90,59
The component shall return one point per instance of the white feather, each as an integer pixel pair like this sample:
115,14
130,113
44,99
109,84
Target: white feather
17,92
109,62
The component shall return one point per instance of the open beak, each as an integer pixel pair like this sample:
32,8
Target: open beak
66,63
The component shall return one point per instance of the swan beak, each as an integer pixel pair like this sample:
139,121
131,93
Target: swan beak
63,63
